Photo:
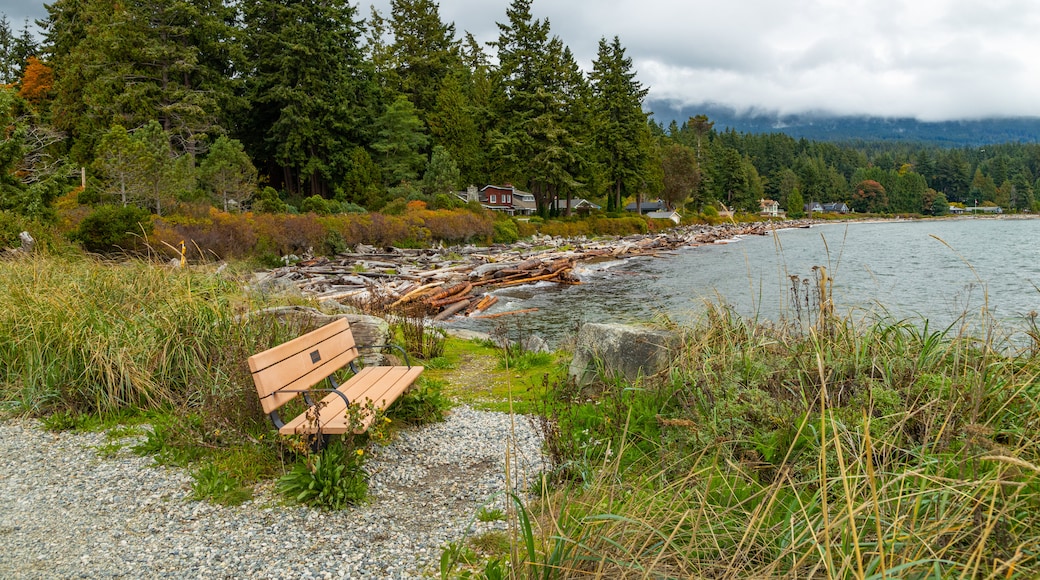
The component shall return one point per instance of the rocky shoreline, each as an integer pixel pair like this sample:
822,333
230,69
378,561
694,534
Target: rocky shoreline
456,281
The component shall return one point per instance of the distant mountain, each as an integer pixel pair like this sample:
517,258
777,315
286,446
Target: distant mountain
823,127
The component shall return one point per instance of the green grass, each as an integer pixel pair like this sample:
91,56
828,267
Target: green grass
884,450
471,372
211,483
490,514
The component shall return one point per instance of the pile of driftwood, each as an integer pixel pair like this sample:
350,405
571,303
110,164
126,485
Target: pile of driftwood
444,282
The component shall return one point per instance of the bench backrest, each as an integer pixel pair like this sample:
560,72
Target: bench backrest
301,363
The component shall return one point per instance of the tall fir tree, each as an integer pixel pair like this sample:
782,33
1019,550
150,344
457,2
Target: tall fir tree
138,61
621,128
423,53
310,91
400,139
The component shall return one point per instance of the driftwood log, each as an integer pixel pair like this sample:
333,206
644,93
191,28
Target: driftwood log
456,281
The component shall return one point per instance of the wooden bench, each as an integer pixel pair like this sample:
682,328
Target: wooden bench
294,368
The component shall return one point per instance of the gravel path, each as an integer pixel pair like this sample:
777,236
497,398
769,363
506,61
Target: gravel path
68,512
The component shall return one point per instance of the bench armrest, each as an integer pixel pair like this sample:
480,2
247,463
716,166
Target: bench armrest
403,353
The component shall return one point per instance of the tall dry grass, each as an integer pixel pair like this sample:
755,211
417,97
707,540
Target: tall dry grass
849,449
98,337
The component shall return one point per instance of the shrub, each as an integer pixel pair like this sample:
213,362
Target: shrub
112,228
270,202
506,232
455,225
525,229
218,235
333,479
396,207
317,204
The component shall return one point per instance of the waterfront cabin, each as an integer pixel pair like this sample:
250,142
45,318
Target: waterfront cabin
769,208
647,206
579,206
665,215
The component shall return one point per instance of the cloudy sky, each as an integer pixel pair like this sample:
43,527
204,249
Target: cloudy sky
929,59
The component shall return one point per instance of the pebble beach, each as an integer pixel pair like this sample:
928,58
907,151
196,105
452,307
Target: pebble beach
71,508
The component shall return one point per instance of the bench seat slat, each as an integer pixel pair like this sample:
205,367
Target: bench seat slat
382,385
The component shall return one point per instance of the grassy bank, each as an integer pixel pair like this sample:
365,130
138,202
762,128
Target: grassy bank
838,451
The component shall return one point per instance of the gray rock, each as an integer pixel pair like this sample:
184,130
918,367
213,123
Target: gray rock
534,343
28,243
606,351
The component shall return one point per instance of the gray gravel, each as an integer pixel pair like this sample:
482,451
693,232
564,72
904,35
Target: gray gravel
67,511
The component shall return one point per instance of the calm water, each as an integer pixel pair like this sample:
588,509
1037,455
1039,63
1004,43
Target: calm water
934,270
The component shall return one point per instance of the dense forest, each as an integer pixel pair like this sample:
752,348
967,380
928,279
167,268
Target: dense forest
287,106
825,126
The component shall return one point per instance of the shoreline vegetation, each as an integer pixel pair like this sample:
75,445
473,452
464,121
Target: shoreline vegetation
830,448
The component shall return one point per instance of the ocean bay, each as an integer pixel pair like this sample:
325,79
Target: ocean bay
944,271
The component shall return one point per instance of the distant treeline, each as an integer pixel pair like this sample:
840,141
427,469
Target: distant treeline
857,128
276,106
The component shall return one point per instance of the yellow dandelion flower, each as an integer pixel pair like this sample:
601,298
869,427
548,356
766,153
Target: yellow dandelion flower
360,452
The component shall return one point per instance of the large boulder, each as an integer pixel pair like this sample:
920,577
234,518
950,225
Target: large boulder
367,330
619,350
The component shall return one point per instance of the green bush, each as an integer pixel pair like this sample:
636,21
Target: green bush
423,404
333,479
396,207
270,202
112,228
506,232
317,204
11,224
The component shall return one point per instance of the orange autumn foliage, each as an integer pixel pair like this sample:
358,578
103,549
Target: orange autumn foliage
36,82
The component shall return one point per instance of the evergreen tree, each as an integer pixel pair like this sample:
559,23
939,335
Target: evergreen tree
362,184
399,142
310,92
621,129
730,180
424,52
32,176
908,194
25,47
227,173
523,70
120,161
453,126
795,204
8,57
165,174
442,175
131,63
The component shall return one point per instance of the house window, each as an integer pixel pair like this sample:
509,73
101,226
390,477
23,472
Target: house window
494,198
505,199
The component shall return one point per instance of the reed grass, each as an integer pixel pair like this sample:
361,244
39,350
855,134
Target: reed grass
879,449
78,334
